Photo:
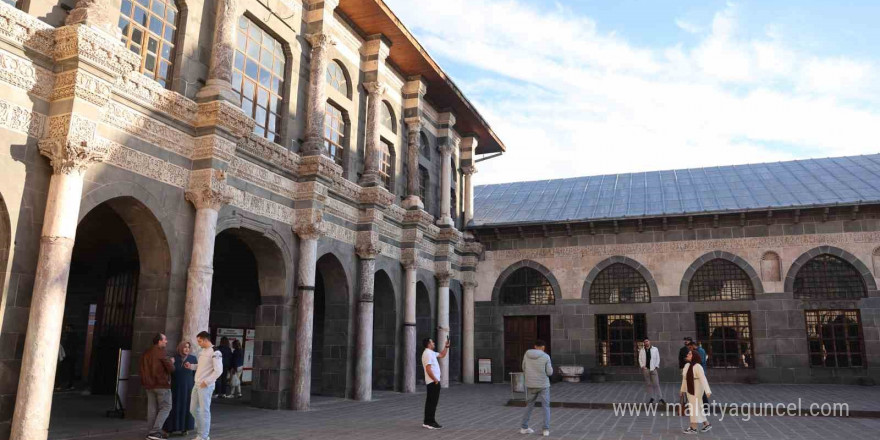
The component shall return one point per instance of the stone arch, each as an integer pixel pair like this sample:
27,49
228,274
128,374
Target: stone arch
388,110
345,73
699,262
602,265
860,267
424,145
771,269
455,331
496,291
330,334
384,331
424,323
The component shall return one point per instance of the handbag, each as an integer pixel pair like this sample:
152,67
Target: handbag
682,402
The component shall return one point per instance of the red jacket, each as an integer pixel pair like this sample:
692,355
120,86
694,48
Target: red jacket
156,369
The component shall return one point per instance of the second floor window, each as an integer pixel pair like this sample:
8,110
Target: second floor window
334,133
148,29
336,78
720,280
258,75
423,185
386,169
388,117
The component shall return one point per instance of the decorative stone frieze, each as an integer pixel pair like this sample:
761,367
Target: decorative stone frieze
253,173
98,13
310,190
17,118
396,213
367,244
149,166
451,235
263,207
342,210
270,152
213,147
70,144
346,189
96,48
208,189
26,31
319,165
83,85
145,91
149,129
376,195
24,74
409,258
224,115
420,217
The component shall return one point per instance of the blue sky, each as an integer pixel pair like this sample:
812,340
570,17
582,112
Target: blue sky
584,87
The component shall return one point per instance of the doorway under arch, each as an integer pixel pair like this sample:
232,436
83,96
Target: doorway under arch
330,331
424,325
384,331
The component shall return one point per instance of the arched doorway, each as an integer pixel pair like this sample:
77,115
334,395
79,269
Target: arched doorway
330,331
384,329
424,325
454,336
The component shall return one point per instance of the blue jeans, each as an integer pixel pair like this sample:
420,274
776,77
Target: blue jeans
532,395
200,408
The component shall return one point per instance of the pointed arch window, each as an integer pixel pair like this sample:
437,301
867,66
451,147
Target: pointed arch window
258,76
386,170
388,117
828,277
148,29
720,280
424,145
336,78
619,284
334,133
527,286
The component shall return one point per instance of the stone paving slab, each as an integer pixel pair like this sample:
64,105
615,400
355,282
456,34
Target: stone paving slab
469,412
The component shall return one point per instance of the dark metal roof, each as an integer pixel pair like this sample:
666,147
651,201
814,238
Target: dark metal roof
794,184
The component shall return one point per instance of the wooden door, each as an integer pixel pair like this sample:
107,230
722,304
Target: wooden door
520,334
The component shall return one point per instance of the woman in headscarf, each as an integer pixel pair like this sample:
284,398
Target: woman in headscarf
237,369
182,381
694,384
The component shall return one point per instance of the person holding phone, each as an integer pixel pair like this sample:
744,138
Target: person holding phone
432,380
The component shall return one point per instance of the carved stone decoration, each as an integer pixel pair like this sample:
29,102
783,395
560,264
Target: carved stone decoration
468,170
368,244
97,48
270,152
450,235
310,230
317,97
24,30
213,147
377,195
443,277
225,115
97,13
148,129
414,130
80,84
319,165
408,258
150,93
208,189
17,118
224,42
69,144
24,74
421,217
150,166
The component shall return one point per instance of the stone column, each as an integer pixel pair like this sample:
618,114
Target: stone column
468,196
409,327
317,100
467,340
219,83
208,193
414,130
445,183
70,159
372,151
443,324
302,367
363,374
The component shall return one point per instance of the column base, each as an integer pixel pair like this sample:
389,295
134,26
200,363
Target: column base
413,202
445,222
370,179
409,360
218,90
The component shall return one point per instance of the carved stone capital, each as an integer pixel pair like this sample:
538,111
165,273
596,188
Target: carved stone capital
375,88
367,246
469,170
80,84
443,278
94,47
226,116
214,147
208,189
309,224
70,144
321,42
409,258
414,124
469,283
448,147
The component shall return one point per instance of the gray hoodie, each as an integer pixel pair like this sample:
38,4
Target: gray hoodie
537,369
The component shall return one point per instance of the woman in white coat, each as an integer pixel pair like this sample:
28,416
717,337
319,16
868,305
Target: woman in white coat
694,384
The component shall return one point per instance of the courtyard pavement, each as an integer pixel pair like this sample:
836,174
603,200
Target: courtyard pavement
480,412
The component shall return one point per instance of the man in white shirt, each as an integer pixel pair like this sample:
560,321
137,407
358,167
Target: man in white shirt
649,360
209,368
432,380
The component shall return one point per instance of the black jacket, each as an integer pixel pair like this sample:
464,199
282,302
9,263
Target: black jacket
682,353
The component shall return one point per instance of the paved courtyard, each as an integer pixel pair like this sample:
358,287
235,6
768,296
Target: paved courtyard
480,412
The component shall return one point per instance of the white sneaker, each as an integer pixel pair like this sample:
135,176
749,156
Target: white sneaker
545,433
526,431
425,425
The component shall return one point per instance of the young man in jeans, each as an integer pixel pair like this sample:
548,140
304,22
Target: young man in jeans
209,368
156,368
537,370
432,380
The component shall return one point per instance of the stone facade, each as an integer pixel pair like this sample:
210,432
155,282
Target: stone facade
768,248
83,130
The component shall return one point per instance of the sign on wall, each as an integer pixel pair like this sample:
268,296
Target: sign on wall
246,337
485,370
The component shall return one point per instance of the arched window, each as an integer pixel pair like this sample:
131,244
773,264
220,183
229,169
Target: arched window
148,29
527,286
258,76
387,167
424,145
334,133
388,117
835,338
619,283
720,280
828,277
336,78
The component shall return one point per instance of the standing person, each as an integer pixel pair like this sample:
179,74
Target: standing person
156,368
432,380
683,351
68,357
537,370
209,368
223,381
236,370
698,347
649,360
693,385
182,381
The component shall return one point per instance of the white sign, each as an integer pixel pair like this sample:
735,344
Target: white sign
247,375
485,370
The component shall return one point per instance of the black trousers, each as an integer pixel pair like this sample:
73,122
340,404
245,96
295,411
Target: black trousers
431,403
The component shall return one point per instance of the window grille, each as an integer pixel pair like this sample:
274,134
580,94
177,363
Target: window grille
619,339
835,338
727,339
527,286
828,277
619,283
720,280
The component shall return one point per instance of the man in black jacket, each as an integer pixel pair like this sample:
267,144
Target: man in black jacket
683,352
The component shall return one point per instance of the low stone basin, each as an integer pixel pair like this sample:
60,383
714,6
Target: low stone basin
571,373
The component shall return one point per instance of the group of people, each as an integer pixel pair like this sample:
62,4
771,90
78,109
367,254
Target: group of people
694,392
179,388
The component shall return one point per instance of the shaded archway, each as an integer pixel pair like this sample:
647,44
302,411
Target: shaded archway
330,333
455,334
384,330
5,247
424,325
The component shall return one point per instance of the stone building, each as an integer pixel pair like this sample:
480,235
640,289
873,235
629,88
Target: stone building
773,267
299,170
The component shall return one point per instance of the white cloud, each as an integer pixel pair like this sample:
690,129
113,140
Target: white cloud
568,100
688,26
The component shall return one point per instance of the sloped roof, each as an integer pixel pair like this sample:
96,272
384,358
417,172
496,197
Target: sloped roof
793,184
